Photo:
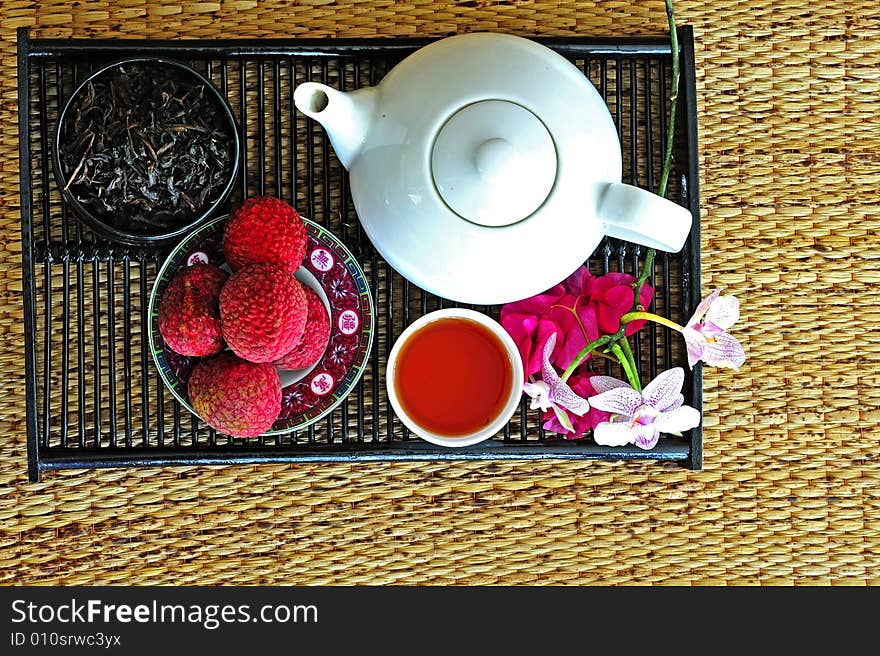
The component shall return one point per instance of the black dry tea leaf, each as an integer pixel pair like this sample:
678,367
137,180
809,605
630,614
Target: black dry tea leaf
146,148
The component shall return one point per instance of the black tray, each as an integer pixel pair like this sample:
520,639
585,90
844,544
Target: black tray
94,397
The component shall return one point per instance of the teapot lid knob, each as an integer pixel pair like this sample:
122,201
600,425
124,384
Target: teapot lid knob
494,163
496,157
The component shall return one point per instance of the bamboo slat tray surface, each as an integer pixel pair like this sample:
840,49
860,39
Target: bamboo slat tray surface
790,490
94,395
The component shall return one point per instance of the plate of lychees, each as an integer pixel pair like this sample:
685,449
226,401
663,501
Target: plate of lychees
261,322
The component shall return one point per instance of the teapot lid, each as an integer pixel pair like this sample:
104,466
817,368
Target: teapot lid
494,163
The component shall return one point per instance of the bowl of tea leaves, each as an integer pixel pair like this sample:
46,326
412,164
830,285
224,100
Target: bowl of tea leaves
146,149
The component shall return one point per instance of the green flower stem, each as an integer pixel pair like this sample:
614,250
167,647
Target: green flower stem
648,266
592,346
624,354
673,99
627,352
650,316
670,140
627,368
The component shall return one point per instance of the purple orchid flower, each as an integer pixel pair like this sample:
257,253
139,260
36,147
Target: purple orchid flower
639,417
551,392
705,333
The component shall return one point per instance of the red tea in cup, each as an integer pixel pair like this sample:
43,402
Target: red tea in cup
453,377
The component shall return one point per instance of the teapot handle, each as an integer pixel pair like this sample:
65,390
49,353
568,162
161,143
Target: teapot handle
642,217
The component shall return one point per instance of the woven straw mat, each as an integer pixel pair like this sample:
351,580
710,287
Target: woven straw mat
790,492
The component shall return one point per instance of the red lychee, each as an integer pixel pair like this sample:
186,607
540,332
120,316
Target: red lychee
265,230
263,312
315,336
189,316
234,396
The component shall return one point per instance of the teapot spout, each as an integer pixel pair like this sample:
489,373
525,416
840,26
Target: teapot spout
345,116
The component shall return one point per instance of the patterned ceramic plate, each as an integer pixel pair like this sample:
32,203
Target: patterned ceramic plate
332,272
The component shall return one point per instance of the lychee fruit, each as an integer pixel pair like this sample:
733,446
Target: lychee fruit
189,315
263,311
265,230
237,397
315,336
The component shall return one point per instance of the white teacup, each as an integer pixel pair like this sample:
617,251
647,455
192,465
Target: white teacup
513,394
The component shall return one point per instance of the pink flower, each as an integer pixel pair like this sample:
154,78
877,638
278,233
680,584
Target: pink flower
532,321
610,296
639,417
580,384
552,394
706,336
577,310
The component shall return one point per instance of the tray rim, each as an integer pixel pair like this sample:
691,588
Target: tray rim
688,452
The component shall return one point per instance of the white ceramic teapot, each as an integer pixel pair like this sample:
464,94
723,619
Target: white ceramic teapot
486,168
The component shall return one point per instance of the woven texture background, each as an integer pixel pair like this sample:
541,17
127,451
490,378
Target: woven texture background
790,493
